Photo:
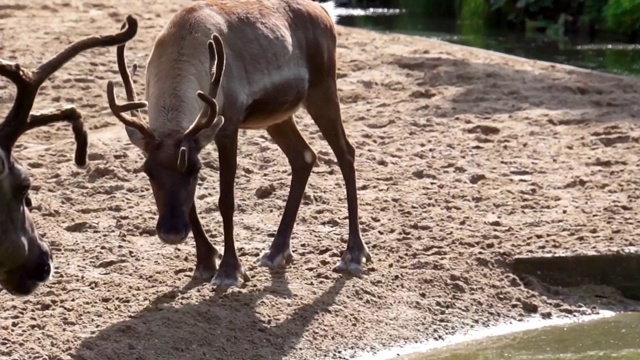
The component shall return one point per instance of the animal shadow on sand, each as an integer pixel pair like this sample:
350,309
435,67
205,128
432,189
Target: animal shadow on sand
225,326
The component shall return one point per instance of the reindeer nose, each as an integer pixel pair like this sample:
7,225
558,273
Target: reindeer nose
172,238
173,228
42,269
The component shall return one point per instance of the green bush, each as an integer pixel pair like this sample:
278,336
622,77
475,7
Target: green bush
622,16
593,11
554,17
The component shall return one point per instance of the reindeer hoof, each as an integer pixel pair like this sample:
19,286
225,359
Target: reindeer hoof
206,270
274,260
351,262
229,276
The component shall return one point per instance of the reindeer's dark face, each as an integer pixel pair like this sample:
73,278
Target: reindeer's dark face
172,165
25,259
173,187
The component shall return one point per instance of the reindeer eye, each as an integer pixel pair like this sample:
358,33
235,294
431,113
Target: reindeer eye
27,202
23,188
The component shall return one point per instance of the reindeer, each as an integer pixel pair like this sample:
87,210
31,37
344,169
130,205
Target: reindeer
25,258
252,64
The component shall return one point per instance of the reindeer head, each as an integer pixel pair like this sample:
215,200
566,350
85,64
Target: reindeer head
172,164
25,259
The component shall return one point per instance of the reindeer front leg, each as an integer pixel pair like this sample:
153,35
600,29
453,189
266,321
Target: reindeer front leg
207,255
230,268
301,158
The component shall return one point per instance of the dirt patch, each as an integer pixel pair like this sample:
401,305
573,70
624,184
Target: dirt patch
465,159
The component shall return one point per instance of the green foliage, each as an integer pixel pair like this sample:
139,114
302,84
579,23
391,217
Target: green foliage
623,16
473,16
473,10
555,17
535,15
593,11
533,5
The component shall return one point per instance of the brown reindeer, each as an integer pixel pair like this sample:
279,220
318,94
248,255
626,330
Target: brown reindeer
25,258
276,56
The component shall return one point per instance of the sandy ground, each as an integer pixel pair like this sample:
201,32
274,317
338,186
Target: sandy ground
465,159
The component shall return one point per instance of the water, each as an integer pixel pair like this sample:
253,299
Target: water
602,54
616,337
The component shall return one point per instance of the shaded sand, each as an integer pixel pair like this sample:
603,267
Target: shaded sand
465,159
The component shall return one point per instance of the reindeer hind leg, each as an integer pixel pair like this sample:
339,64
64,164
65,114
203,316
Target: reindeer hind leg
323,105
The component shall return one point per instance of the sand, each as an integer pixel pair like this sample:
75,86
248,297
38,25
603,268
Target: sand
465,159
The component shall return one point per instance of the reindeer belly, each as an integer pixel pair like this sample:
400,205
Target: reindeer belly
275,104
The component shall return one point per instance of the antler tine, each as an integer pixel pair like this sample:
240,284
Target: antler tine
217,61
16,120
124,73
118,110
71,115
209,101
14,72
201,122
45,70
133,105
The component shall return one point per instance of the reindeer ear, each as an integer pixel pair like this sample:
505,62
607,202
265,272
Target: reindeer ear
135,137
4,164
217,124
206,136
182,159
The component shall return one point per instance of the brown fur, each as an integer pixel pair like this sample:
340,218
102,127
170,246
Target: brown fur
278,55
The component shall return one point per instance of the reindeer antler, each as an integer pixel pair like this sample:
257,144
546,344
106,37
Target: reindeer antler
119,109
132,105
28,82
71,115
124,72
212,120
217,62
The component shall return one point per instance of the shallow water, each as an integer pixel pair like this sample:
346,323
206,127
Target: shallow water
616,337
602,54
